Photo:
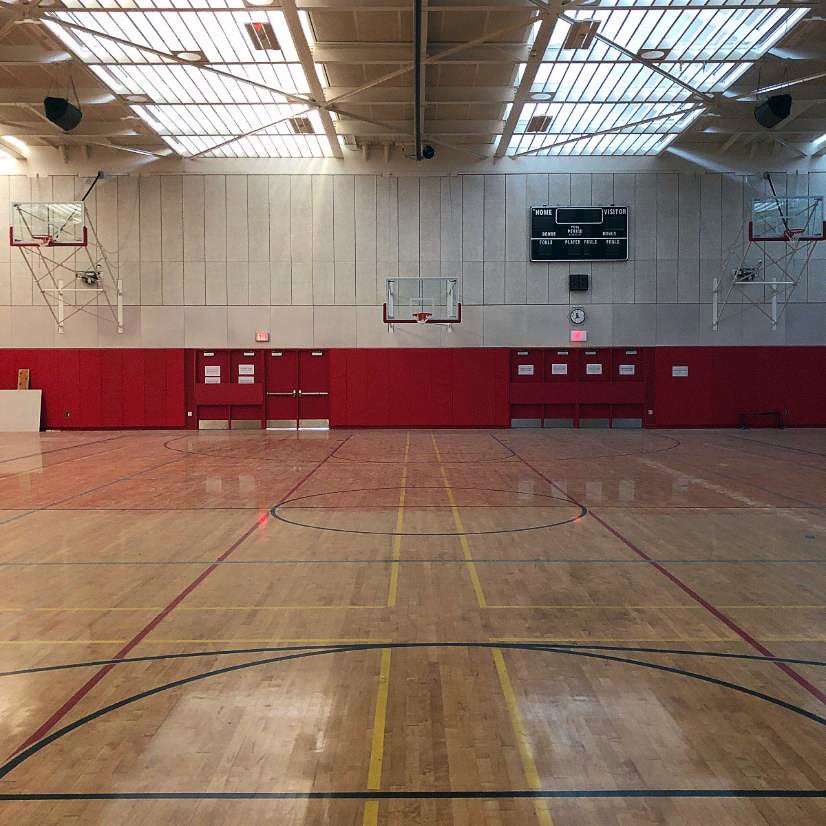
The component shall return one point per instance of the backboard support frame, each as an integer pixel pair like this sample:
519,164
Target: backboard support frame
68,287
796,223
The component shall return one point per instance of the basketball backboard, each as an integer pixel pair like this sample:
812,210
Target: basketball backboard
798,218
422,300
48,224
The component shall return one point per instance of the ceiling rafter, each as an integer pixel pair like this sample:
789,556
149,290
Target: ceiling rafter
306,59
537,53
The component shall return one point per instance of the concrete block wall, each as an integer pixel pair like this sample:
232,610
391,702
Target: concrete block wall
207,259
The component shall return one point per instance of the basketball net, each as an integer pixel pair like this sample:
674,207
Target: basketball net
422,317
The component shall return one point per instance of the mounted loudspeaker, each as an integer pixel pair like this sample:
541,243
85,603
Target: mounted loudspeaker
774,110
62,113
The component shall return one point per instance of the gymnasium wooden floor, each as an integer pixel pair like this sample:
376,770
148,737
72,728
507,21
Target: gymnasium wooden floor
383,627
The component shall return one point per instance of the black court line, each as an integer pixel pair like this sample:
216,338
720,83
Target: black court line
615,455
462,794
422,560
539,646
290,503
223,451
38,745
741,451
779,447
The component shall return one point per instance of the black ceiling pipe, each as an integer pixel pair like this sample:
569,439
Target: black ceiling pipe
417,78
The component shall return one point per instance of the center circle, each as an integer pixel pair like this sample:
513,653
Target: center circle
428,510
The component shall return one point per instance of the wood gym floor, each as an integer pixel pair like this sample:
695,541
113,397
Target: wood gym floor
383,627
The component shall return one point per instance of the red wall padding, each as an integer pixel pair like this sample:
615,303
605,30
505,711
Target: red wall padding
722,382
463,387
103,388
425,388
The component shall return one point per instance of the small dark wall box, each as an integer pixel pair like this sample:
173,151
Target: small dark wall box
578,282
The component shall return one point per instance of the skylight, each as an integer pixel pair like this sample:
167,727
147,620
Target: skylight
606,102
228,94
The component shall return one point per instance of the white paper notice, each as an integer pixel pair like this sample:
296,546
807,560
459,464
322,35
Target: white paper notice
212,370
246,379
593,369
246,369
559,369
525,369
627,369
212,380
680,370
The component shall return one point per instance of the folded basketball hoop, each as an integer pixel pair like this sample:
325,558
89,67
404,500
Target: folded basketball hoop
422,317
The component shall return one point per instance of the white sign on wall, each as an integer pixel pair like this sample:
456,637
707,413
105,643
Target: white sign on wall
680,370
627,369
246,369
593,369
525,369
559,369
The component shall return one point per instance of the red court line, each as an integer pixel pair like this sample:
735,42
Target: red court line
81,692
59,449
687,589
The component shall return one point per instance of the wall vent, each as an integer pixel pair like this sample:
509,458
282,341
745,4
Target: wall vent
262,36
302,126
581,34
539,123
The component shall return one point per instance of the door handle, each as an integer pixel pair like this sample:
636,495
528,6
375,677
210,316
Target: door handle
312,393
283,393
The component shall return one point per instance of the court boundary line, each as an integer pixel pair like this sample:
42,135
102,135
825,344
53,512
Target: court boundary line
84,689
24,754
813,690
59,449
459,794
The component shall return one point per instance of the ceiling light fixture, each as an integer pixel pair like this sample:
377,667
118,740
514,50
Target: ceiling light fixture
190,57
542,97
652,54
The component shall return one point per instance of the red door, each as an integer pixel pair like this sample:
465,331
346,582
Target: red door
282,390
313,389
245,368
212,367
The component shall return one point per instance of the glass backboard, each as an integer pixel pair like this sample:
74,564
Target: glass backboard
787,219
423,300
48,224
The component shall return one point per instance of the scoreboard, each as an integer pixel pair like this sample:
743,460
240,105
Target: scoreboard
579,233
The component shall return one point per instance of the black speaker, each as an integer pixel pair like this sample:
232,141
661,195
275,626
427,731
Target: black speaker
62,113
578,282
776,109
428,151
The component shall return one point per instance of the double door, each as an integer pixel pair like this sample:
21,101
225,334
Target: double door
297,392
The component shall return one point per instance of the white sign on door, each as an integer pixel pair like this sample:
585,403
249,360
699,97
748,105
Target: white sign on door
627,369
559,369
680,370
246,369
593,369
525,369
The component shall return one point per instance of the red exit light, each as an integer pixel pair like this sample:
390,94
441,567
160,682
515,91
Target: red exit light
579,335
262,335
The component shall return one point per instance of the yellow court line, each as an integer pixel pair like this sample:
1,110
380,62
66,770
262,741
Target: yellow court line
460,528
371,807
540,807
393,591
190,608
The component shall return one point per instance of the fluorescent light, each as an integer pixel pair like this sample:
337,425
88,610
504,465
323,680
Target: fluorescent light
5,156
21,146
815,143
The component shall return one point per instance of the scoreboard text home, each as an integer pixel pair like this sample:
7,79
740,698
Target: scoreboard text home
579,233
